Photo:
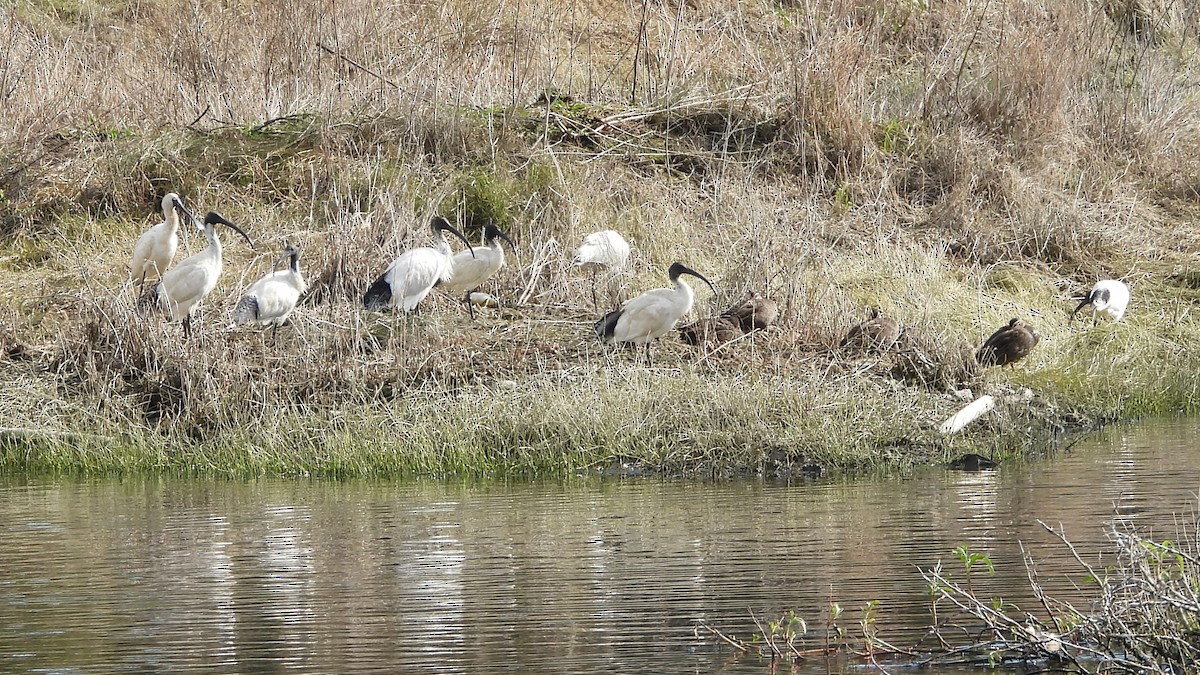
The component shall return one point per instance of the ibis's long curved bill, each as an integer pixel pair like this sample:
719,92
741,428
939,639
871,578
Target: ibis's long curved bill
441,225
679,268
214,217
511,246
1086,301
183,210
289,255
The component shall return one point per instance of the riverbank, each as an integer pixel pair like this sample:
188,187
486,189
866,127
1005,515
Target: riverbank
951,194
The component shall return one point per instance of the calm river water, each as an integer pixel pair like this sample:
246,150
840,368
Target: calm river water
157,575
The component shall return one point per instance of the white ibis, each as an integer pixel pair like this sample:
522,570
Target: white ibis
407,281
469,269
270,300
603,250
1109,298
651,314
155,249
1009,344
183,287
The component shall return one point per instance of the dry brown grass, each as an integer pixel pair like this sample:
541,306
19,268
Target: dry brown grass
955,165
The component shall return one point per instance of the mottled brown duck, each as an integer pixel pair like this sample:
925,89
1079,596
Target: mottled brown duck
877,334
714,331
753,313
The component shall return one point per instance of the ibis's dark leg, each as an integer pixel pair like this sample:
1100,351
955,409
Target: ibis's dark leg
274,330
470,309
595,302
649,358
187,325
142,285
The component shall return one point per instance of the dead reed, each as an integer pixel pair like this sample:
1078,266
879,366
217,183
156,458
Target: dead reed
953,165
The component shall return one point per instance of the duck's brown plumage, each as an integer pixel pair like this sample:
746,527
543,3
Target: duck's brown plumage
1009,344
715,331
753,313
877,333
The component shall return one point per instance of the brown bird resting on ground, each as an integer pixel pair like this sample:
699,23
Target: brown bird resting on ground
1009,344
717,330
753,313
877,333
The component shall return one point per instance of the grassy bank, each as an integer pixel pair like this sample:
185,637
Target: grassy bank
954,166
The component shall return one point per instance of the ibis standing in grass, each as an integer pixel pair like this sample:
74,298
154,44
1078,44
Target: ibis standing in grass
155,249
183,287
604,250
469,269
407,281
270,300
651,314
1108,298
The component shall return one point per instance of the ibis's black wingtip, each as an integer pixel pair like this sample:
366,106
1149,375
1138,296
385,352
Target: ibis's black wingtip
607,325
379,295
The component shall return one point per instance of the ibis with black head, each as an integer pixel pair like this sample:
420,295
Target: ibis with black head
271,300
155,248
1109,298
470,269
653,313
184,286
409,278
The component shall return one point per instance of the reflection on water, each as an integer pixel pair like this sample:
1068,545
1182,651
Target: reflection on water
164,574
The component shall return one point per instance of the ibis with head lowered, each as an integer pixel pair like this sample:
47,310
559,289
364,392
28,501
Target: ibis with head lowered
1109,298
270,300
605,250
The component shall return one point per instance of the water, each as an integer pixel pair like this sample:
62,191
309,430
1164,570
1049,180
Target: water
155,575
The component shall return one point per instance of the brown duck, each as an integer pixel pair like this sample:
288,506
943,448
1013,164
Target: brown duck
753,313
877,333
710,331
1008,345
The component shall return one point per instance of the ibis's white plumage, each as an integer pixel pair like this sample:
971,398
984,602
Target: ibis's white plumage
1108,298
409,278
469,269
155,249
468,272
270,300
184,286
651,314
604,249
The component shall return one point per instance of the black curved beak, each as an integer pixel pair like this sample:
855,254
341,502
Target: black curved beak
441,225
701,278
214,218
183,210
679,268
511,246
288,252
1086,301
